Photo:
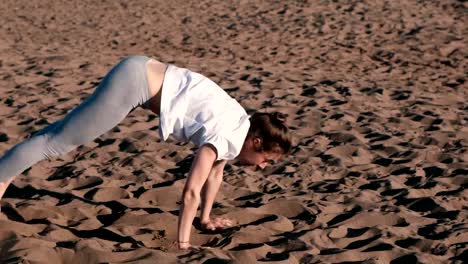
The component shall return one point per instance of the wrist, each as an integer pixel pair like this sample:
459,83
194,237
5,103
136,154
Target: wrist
183,244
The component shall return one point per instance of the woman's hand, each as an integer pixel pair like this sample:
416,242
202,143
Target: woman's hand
217,223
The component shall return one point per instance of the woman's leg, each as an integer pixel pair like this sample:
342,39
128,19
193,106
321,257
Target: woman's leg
124,88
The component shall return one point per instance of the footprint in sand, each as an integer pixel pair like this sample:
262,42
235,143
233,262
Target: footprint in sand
104,194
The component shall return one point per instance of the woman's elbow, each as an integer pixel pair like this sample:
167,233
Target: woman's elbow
190,196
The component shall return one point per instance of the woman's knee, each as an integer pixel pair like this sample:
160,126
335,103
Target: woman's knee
28,152
52,142
55,147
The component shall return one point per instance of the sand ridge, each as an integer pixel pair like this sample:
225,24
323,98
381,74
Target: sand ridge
374,92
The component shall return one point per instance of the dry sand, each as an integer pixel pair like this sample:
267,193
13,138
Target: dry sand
375,93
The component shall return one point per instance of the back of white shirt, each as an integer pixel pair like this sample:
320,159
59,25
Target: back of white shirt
195,108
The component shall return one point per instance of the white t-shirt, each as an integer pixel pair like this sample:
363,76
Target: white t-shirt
195,108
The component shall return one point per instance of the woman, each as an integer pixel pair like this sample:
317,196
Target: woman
190,107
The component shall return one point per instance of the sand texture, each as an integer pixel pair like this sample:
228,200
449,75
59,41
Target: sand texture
376,97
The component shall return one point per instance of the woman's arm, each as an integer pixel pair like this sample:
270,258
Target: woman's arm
198,174
210,189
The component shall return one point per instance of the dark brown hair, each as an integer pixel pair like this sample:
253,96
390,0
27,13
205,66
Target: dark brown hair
271,128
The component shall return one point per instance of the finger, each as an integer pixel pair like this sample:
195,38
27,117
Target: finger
220,224
217,220
213,226
227,222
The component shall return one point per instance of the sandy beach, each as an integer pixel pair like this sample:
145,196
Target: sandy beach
375,93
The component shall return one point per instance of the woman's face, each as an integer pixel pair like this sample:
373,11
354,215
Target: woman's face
249,155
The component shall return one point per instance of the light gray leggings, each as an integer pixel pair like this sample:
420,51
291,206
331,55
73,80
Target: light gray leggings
124,88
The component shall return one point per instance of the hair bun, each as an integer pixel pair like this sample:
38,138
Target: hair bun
279,116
